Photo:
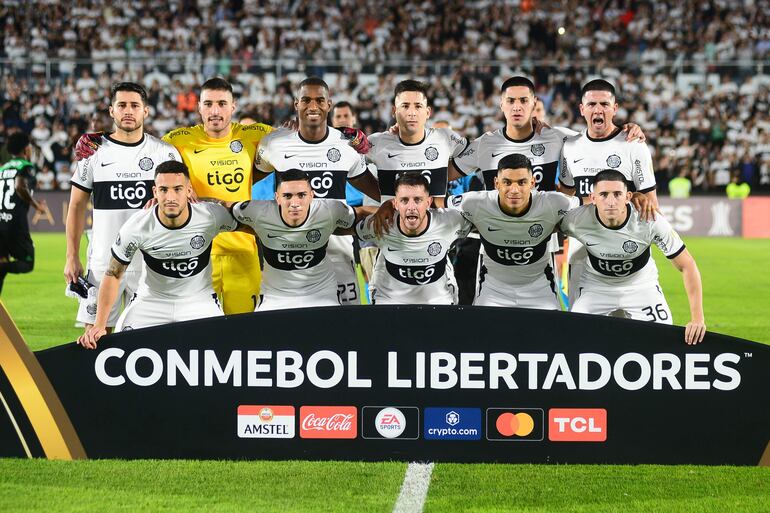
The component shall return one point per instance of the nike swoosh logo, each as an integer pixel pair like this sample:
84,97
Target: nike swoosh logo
391,155
105,164
497,154
290,156
594,244
391,249
198,151
493,229
577,160
156,248
270,236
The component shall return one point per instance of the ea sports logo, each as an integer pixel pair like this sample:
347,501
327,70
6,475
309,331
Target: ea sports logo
630,246
537,149
333,155
197,242
431,153
146,163
613,161
390,422
536,230
236,146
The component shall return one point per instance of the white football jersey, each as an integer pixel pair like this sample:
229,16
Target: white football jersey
583,157
620,256
177,260
514,249
120,177
430,156
330,162
415,269
543,150
296,263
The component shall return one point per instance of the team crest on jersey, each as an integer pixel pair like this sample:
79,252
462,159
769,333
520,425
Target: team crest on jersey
630,246
613,161
434,248
537,149
431,153
236,146
146,163
197,242
456,200
536,230
313,236
91,309
333,155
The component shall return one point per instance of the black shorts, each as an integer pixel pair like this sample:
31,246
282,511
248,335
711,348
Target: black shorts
17,245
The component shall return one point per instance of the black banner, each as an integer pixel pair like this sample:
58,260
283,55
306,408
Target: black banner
415,383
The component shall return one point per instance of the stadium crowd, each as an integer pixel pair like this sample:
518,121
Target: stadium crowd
687,72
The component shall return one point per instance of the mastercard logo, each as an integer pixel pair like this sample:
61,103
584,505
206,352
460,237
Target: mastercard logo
519,424
515,424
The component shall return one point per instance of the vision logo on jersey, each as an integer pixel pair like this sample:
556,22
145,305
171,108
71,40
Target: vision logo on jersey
515,424
452,424
401,422
613,161
265,421
577,424
236,146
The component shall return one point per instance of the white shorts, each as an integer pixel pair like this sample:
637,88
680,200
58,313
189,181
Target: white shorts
538,295
340,253
144,311
643,303
87,308
268,303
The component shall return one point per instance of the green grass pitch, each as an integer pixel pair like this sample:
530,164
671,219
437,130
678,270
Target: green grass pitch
736,279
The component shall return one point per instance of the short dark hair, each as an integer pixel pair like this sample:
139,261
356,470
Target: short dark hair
610,175
514,161
172,167
411,85
598,84
313,81
217,84
131,87
17,143
518,81
342,105
412,179
291,175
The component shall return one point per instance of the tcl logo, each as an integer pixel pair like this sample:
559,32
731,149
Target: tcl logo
577,424
328,422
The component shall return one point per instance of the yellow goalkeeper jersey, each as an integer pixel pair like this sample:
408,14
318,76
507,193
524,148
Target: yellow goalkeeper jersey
221,169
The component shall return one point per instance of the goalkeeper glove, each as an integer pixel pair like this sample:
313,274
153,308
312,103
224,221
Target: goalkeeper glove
88,144
356,139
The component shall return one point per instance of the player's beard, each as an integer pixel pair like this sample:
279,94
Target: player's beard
129,128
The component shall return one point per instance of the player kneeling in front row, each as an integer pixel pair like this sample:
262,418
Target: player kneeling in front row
175,240
412,267
515,222
620,275
295,230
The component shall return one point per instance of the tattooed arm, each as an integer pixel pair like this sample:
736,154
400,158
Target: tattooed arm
108,293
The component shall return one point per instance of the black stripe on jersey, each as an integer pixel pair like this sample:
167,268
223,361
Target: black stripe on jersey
515,255
619,268
121,195
294,259
119,259
417,274
545,176
648,189
81,187
678,252
437,178
178,267
329,183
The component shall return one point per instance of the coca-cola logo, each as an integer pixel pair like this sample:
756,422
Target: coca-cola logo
328,422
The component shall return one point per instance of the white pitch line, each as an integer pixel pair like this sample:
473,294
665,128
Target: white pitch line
414,489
